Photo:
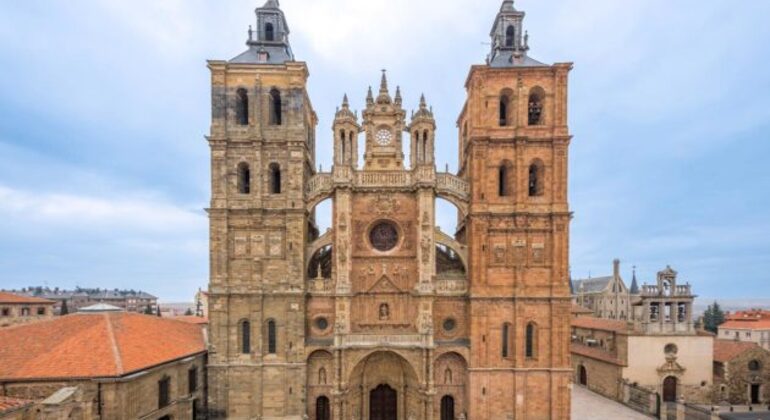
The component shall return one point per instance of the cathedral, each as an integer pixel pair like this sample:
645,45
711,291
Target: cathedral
384,316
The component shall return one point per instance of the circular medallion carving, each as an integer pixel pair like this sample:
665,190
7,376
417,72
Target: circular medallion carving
384,236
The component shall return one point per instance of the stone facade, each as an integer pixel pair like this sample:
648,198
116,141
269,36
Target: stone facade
608,297
385,316
741,373
18,309
131,397
749,326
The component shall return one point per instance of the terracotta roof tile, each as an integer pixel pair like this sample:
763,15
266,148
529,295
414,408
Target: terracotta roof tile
592,323
8,404
747,324
595,353
6,297
95,345
726,350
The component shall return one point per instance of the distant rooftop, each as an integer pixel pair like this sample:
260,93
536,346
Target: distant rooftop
101,307
11,298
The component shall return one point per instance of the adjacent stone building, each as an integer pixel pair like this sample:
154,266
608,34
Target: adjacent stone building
608,297
18,309
384,316
750,326
73,300
659,349
741,373
112,365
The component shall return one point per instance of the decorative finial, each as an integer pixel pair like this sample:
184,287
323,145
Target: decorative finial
398,94
384,82
370,96
526,40
422,101
251,33
345,103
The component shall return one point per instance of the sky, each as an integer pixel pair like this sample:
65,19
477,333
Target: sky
104,105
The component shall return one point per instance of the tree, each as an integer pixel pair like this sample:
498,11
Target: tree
159,314
713,317
188,312
64,310
148,310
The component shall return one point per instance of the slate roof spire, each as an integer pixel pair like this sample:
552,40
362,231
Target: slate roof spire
384,96
269,43
510,42
634,284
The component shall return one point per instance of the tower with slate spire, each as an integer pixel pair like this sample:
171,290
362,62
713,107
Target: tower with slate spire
384,124
514,143
422,129
262,142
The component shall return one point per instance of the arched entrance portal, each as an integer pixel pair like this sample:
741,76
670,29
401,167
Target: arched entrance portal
383,403
583,375
669,389
385,386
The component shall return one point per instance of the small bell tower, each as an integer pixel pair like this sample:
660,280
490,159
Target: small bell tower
423,129
346,131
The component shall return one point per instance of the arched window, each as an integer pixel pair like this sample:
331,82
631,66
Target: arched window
509,36
531,338
505,337
275,107
536,97
271,343
504,183
245,337
343,142
242,107
244,178
754,366
275,178
536,181
322,408
269,32
503,110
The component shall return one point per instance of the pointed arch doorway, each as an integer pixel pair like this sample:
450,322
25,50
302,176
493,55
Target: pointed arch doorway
383,403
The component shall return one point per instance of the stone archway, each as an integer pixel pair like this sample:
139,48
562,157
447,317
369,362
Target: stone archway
381,382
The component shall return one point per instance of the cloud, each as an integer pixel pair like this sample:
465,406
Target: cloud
136,212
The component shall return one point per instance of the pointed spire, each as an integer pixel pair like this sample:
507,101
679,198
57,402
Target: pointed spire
345,111
345,103
384,83
370,97
423,104
634,284
398,95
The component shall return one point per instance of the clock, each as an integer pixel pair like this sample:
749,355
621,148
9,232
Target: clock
383,137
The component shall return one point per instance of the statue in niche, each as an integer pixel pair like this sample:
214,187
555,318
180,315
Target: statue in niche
322,376
384,312
448,376
425,249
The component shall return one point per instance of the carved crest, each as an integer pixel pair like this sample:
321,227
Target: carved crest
386,204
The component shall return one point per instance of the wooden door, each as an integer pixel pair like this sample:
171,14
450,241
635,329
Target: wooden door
583,376
383,403
322,409
447,408
669,389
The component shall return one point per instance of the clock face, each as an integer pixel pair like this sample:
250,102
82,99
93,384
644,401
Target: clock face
383,137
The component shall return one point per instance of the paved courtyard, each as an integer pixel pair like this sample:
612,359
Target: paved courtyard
587,405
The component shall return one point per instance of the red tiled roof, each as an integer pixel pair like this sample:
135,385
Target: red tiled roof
6,297
8,404
726,350
95,345
192,319
746,324
595,353
592,323
754,313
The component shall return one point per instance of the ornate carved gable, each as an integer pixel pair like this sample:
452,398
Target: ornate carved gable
384,286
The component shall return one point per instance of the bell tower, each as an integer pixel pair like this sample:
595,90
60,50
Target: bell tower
384,125
423,130
346,131
262,144
514,142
